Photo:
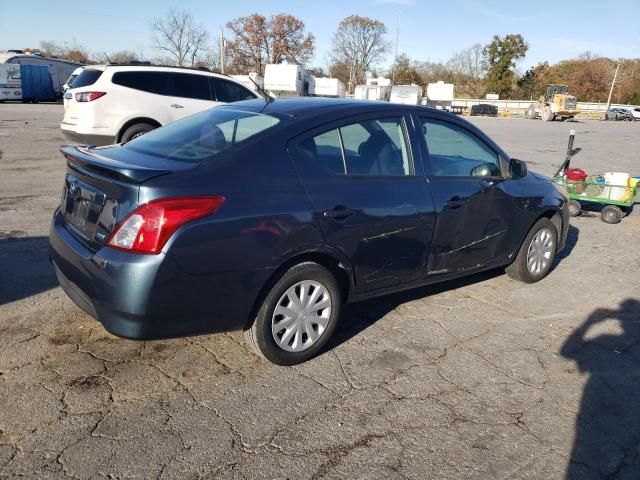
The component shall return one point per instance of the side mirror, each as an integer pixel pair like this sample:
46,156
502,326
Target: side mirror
517,168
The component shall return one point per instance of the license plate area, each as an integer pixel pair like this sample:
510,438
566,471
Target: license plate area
81,206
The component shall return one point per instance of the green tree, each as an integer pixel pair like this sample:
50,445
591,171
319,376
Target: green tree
405,72
501,57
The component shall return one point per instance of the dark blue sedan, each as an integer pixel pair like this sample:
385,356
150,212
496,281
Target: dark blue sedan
267,217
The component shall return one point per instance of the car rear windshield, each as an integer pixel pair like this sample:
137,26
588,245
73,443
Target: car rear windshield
87,77
201,137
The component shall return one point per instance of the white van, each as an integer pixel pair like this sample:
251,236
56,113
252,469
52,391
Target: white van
115,103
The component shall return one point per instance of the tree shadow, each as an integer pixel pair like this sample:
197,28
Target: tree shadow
607,438
24,268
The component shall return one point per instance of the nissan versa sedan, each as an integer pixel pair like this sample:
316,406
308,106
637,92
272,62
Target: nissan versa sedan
268,216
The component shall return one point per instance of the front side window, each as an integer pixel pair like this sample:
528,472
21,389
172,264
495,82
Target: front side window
203,136
371,147
229,91
454,152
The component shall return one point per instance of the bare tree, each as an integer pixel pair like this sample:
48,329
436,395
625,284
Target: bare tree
469,68
179,37
257,41
359,42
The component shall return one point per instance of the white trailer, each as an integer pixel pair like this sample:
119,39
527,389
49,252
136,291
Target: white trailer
246,80
287,80
328,87
372,92
10,82
440,95
59,69
406,94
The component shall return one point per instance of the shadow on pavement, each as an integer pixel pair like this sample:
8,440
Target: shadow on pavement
24,268
607,431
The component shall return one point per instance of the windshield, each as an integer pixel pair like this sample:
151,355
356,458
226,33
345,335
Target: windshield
200,137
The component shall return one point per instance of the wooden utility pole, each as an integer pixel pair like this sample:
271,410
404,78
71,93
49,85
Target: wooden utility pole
615,75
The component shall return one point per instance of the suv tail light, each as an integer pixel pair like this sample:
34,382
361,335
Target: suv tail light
89,96
148,228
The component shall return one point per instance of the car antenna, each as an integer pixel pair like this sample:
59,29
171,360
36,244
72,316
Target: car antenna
107,56
267,98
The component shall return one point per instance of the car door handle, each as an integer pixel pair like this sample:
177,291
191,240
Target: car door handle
454,202
338,212
175,105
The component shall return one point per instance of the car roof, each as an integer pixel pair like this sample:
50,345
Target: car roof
310,106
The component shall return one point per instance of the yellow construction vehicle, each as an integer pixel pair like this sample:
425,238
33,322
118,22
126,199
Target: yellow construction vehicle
556,103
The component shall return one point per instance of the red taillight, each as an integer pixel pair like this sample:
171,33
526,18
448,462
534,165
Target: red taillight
89,96
148,227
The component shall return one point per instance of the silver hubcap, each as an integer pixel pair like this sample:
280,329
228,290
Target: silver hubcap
540,252
301,316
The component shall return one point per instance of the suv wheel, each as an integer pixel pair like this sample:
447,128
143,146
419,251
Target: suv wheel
297,317
536,254
135,131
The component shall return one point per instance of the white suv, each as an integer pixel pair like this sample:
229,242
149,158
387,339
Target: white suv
115,103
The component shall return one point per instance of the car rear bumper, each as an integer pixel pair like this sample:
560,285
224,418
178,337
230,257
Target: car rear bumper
88,138
145,296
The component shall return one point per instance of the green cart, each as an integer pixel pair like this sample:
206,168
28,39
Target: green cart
617,199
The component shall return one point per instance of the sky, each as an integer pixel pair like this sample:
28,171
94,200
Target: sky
428,30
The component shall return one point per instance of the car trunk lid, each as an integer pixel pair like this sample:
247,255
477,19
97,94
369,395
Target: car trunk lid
102,187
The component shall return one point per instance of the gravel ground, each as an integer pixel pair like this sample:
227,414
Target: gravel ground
481,378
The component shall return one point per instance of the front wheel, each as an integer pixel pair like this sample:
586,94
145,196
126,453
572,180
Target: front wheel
297,316
575,209
611,214
536,253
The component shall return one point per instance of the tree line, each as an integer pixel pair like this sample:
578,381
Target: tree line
359,46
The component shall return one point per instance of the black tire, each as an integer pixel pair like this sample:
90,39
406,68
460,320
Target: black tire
611,214
519,270
575,209
135,131
259,336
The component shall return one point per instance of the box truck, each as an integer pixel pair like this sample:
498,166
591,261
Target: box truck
440,95
406,94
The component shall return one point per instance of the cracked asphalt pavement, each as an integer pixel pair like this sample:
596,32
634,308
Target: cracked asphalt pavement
479,378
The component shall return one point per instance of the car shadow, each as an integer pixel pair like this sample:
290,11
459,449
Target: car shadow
24,268
357,317
607,430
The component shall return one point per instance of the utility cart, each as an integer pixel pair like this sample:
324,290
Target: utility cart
615,190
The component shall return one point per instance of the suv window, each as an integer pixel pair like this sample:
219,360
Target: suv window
87,77
455,152
191,85
371,147
159,83
203,136
228,92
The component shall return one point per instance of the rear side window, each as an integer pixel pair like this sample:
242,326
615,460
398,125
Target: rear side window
153,82
87,77
203,136
228,92
190,85
371,147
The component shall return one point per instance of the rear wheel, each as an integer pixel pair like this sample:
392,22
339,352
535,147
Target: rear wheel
575,209
611,214
536,253
297,317
135,131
